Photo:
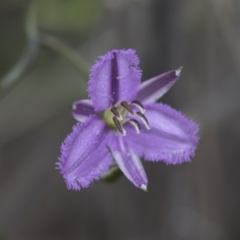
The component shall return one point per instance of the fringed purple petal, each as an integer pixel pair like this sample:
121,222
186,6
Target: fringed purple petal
129,163
172,137
115,77
82,109
151,90
85,156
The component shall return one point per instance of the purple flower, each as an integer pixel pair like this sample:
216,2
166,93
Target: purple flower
122,123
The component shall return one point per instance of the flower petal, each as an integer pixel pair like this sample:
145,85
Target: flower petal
172,137
115,77
129,163
151,90
85,156
82,109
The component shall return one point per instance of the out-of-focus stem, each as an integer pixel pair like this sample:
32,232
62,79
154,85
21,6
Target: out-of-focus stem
66,52
28,57
35,40
17,72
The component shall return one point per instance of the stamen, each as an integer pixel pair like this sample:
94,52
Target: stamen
119,126
116,113
139,105
144,119
136,125
127,107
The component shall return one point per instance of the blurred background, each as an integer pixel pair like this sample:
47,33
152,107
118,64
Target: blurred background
40,78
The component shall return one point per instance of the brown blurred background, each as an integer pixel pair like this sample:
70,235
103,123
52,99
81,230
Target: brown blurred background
195,201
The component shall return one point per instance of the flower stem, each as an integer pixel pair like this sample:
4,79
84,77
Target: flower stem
28,57
66,52
35,40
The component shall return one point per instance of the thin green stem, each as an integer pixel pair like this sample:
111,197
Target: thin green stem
28,57
66,52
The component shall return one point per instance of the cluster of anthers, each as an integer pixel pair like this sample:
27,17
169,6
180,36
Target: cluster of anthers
123,112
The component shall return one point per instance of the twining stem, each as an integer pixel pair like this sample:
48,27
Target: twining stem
66,52
29,56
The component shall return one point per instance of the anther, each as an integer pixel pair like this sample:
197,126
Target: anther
135,124
116,113
144,120
139,105
119,126
127,107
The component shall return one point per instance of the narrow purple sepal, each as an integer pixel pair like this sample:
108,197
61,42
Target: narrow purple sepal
82,109
129,163
172,137
84,155
115,77
151,90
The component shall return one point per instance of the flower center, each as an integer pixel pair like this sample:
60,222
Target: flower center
123,112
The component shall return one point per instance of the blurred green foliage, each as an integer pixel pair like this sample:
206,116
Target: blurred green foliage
68,15
113,174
